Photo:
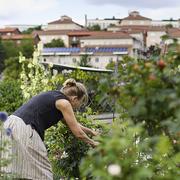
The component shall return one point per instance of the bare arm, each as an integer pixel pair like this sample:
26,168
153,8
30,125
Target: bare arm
88,130
65,107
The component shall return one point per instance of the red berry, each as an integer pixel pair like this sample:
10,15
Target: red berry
161,64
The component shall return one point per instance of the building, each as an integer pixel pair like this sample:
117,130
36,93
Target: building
135,19
99,47
154,35
64,23
9,31
58,30
18,38
173,23
103,23
96,57
23,27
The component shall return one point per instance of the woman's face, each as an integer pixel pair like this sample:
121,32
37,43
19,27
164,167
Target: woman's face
75,102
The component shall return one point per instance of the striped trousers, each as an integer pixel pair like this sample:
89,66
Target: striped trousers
29,154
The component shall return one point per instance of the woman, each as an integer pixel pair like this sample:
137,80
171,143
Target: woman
29,122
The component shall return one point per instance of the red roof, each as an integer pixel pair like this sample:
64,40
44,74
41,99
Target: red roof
174,34
9,30
57,32
108,35
139,28
135,16
17,37
64,20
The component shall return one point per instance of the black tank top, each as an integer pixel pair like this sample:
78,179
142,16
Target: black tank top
40,111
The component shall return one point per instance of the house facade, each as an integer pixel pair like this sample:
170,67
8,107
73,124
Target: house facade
64,23
135,19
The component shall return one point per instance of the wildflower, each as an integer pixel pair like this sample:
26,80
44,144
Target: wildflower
3,116
114,169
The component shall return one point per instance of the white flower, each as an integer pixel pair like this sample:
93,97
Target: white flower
114,169
64,155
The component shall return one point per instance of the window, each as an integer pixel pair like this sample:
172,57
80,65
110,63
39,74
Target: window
44,59
74,60
97,60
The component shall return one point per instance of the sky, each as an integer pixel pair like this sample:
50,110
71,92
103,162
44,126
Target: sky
44,11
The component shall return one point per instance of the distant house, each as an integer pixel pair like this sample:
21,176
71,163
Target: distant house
112,39
135,18
97,57
9,31
173,23
18,38
154,35
64,23
100,47
58,30
173,34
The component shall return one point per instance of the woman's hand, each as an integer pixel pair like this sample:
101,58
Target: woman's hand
95,144
94,133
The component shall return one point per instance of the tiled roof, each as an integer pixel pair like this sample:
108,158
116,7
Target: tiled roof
6,30
135,17
108,35
137,28
174,34
56,32
17,37
64,21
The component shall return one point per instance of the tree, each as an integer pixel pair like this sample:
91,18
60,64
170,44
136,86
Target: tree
84,61
95,27
27,47
11,49
55,43
30,30
2,56
12,69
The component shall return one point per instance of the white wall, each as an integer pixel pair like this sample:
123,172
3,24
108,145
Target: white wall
97,61
110,42
164,23
136,22
154,37
48,38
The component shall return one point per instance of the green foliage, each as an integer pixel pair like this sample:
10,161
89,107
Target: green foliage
12,49
35,78
10,95
66,151
30,30
27,47
95,27
55,43
12,69
125,154
2,56
84,61
143,143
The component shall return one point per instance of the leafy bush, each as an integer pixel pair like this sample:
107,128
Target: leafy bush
144,141
126,154
11,96
66,151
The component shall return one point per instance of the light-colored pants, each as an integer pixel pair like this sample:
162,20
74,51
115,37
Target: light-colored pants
30,158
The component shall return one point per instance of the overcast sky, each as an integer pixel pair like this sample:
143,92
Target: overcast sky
44,11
